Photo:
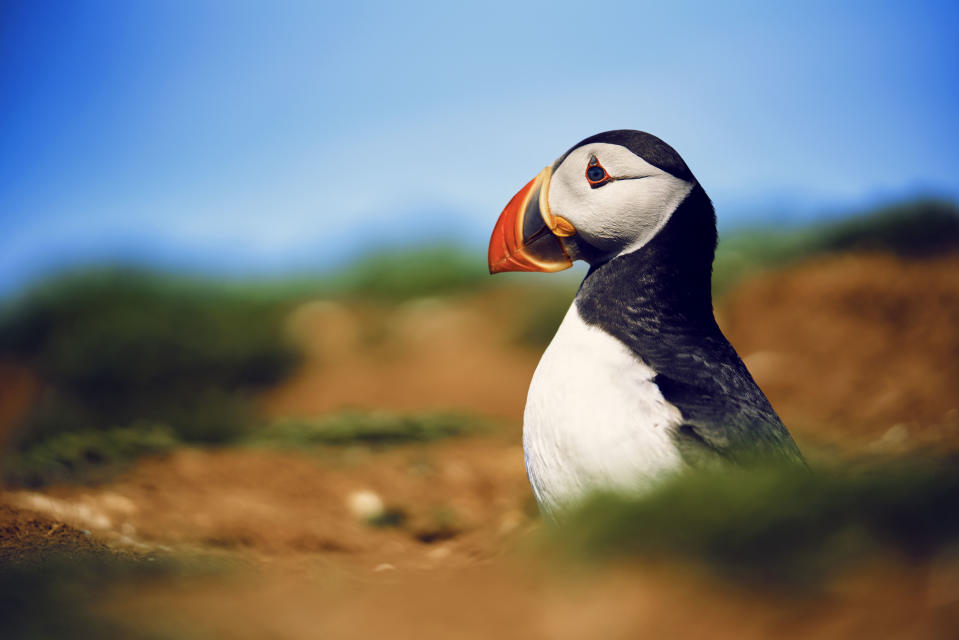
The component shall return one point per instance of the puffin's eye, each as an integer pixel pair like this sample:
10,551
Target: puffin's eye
595,173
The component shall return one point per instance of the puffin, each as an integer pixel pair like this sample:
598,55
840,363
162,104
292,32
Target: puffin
638,382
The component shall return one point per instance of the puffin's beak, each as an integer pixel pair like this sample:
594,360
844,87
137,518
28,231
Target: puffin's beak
527,236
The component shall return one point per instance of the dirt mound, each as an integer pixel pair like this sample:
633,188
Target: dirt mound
856,346
425,354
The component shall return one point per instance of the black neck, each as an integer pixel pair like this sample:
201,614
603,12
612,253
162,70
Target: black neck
666,283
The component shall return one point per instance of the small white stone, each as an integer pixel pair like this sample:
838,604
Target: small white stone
510,521
384,566
366,505
439,553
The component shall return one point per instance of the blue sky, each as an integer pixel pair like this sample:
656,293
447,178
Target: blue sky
254,137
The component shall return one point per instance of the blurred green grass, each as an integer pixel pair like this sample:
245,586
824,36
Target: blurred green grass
389,276
778,526
97,455
918,228
114,350
113,347
85,456
399,275
376,428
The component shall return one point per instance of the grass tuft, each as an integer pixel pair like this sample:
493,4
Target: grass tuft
86,456
369,428
778,526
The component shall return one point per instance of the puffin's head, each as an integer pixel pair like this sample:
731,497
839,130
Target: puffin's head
608,195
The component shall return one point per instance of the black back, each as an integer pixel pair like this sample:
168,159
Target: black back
657,301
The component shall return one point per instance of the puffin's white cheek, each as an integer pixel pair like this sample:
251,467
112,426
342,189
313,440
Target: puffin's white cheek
574,204
623,210
622,215
617,214
579,204
652,203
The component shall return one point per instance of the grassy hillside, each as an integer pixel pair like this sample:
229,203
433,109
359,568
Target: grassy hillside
913,229
132,362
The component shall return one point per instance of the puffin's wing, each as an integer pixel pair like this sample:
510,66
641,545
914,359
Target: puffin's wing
706,446
726,418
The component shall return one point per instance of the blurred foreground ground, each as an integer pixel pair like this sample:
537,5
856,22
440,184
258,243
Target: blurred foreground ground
857,352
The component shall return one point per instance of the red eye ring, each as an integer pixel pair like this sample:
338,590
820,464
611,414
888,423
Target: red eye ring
596,174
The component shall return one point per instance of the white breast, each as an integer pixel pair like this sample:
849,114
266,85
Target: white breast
594,419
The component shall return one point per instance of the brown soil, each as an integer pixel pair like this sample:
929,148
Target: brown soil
854,348
427,354
455,501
